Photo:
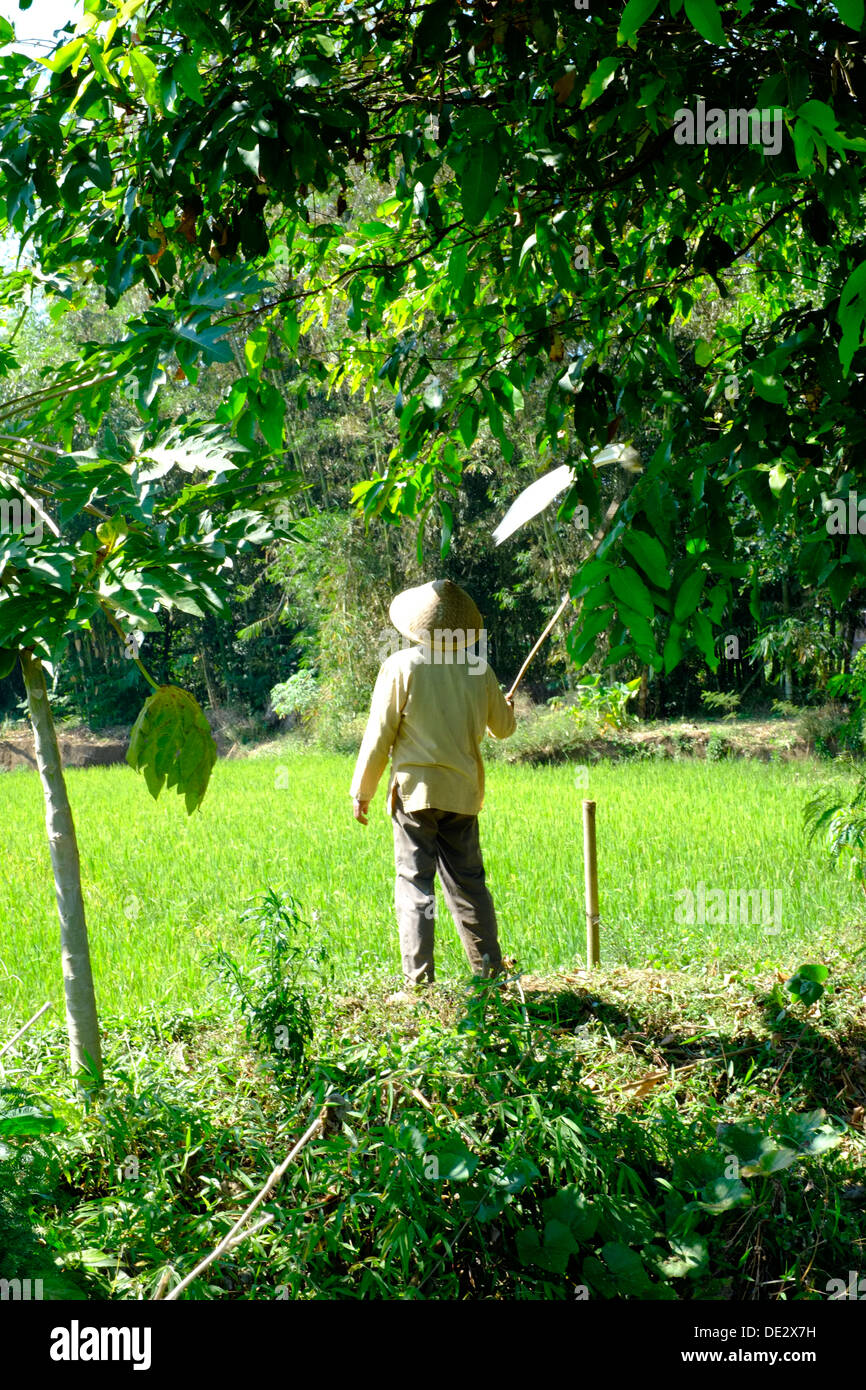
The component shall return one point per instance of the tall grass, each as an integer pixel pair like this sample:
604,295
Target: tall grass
163,891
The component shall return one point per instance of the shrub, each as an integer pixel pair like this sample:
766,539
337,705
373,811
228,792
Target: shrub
726,702
718,747
608,704
296,698
339,730
272,998
840,817
785,709
545,735
683,745
828,730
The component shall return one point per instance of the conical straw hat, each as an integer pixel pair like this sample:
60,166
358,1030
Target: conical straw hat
440,607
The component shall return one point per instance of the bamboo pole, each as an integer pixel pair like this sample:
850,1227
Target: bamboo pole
596,542
550,626
22,1031
590,875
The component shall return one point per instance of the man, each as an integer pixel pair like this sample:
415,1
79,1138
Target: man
431,706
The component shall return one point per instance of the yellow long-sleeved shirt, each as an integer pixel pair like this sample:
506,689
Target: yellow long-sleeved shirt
432,716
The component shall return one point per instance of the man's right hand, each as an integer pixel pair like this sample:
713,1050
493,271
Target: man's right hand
360,809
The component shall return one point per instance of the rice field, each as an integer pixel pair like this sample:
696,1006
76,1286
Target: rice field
163,890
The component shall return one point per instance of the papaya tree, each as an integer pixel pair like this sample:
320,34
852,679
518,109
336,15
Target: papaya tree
101,531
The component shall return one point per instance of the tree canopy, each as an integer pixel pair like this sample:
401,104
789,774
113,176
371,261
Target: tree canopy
546,230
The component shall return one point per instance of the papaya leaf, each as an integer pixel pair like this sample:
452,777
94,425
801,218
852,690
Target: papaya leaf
171,744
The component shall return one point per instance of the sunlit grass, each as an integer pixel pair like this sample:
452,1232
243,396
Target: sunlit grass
162,890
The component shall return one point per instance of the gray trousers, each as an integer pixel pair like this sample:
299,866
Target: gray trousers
425,841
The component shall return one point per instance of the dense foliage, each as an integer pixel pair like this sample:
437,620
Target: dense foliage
542,245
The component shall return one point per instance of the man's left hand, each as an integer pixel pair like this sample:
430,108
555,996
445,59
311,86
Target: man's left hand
360,809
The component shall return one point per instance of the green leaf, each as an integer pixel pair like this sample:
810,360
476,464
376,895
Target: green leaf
594,1275
447,527
689,1259
581,641
702,630
146,75
171,743
627,1268
650,555
503,1184
704,353
813,1133
478,182
188,77
804,145
807,984
28,1121
64,58
553,1253
767,384
559,1245
630,588
689,595
269,407
433,30
822,119
636,13
111,531
256,349
642,634
673,650
572,1209
600,80
454,1162
704,16
468,423
850,12
457,266
778,477
758,1153
723,1193
851,315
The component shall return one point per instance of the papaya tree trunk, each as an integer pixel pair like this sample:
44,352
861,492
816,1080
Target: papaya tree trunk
82,1023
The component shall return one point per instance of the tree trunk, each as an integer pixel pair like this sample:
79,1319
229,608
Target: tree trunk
786,608
642,693
82,1023
208,680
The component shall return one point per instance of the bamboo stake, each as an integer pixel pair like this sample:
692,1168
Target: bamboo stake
590,873
22,1031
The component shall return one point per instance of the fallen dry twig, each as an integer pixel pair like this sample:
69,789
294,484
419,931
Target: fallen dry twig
233,1236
